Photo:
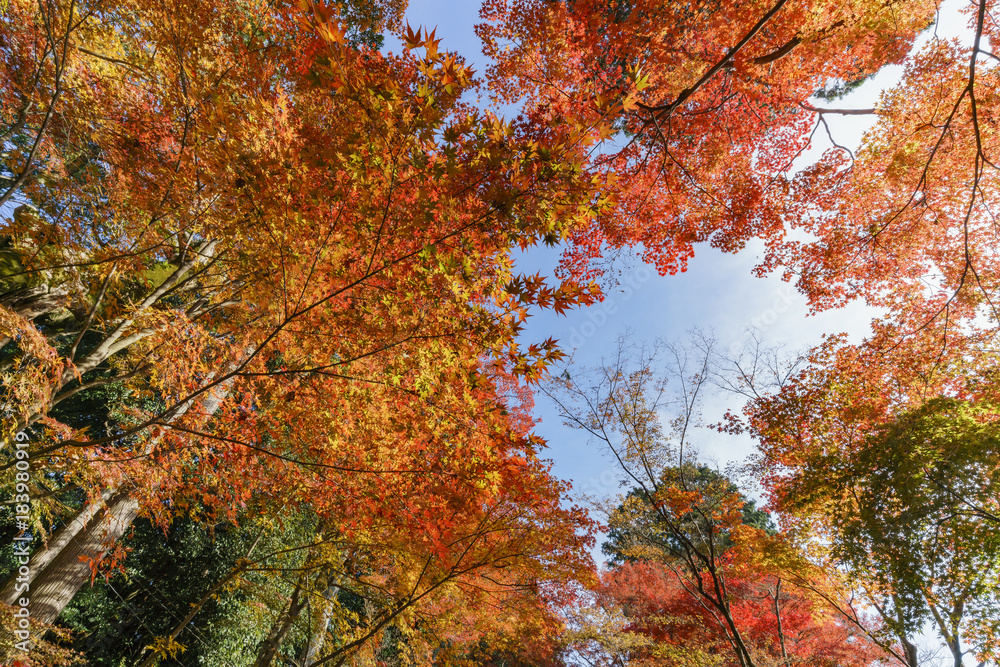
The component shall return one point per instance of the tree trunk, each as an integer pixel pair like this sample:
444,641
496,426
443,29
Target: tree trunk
280,629
56,572
32,302
911,653
67,572
318,638
62,537
955,646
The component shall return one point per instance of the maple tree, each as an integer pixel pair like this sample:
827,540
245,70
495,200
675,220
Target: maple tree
694,560
921,549
703,107
909,227
782,625
702,111
248,261
294,253
634,527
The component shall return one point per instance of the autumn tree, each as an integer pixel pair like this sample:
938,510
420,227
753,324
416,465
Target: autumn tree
702,107
783,624
717,572
896,477
299,250
705,108
619,404
903,222
243,252
635,528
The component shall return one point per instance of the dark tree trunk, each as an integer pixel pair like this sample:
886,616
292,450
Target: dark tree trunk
279,631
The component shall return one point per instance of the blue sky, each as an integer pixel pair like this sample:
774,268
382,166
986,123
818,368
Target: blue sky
717,294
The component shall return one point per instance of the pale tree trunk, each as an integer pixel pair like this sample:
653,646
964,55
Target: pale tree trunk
282,625
62,537
318,637
57,571
68,571
32,302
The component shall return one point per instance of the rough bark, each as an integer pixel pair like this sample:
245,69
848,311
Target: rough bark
318,637
57,571
279,631
67,572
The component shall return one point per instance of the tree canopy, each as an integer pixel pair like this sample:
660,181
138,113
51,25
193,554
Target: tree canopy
262,334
